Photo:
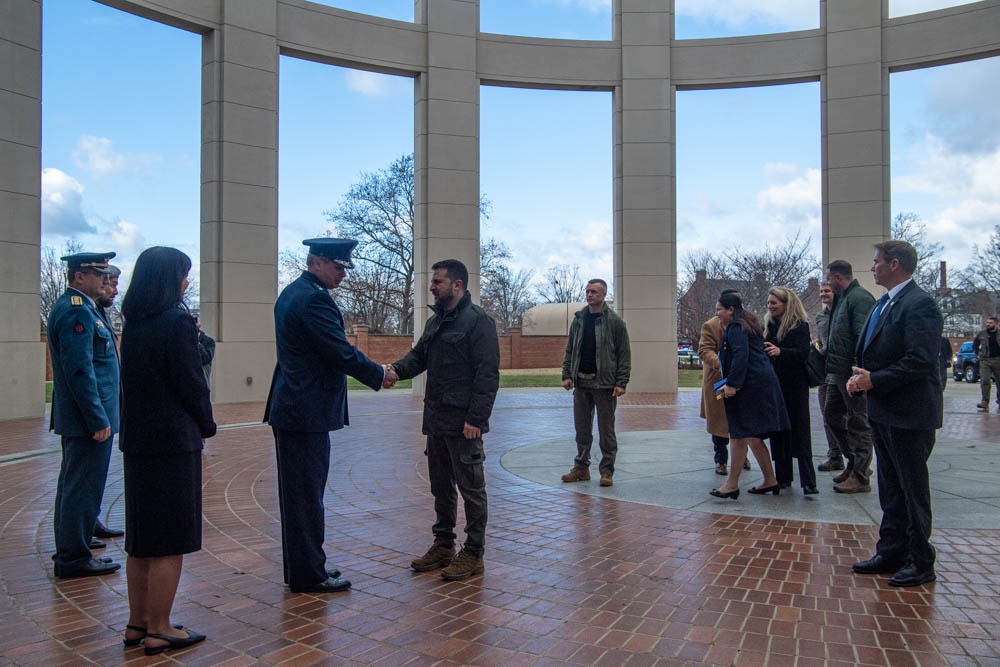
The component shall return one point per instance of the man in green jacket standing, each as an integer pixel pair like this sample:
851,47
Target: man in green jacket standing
846,415
597,365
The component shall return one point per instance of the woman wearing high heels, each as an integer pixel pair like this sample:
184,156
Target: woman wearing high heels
754,407
166,412
786,342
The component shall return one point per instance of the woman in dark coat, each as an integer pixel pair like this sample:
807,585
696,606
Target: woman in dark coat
754,407
166,412
787,343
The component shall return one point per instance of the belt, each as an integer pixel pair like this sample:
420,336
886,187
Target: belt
586,376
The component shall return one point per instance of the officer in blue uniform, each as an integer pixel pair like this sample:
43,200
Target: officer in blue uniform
308,399
104,303
85,408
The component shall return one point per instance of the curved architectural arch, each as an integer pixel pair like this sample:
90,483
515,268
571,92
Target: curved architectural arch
851,54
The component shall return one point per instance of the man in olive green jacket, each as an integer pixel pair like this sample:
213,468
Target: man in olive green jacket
597,365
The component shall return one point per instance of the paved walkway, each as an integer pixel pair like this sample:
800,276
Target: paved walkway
646,572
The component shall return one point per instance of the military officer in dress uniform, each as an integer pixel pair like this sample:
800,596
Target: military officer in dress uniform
85,408
104,303
308,399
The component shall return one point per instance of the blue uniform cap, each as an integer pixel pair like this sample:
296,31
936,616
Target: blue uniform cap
98,261
337,250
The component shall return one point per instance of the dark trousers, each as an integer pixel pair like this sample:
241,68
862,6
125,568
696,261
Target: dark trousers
783,450
721,446
303,466
79,491
989,369
847,420
904,493
832,446
453,461
587,400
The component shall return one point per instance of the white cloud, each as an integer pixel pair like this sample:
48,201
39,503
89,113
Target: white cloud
97,157
796,197
963,105
126,237
62,204
792,14
370,84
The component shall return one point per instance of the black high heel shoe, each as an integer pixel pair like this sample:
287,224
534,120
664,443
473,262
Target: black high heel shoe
809,490
761,490
725,494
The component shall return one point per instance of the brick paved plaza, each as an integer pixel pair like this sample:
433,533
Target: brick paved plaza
571,578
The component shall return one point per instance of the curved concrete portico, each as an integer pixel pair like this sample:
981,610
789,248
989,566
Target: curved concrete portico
851,54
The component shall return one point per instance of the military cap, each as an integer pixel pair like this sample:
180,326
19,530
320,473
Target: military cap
98,261
114,271
337,250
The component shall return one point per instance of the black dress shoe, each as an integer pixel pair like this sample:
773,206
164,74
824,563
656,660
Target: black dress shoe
331,585
762,490
911,575
809,490
877,564
173,643
103,532
96,543
333,574
785,485
92,568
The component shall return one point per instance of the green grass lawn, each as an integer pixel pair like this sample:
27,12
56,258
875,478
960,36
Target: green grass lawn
508,380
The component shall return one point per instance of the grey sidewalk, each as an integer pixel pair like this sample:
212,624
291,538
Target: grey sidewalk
674,469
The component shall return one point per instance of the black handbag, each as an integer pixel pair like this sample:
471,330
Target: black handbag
815,367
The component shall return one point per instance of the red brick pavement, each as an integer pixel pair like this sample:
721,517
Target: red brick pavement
571,579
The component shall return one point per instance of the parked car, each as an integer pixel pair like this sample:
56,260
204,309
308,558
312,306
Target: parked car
687,357
965,366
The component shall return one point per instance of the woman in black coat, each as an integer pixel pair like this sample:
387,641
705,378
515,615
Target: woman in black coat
787,343
166,412
754,407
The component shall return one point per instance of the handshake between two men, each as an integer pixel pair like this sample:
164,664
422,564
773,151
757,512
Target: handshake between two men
391,378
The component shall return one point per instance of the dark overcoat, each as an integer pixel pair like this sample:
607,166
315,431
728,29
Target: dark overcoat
309,388
166,407
790,367
757,409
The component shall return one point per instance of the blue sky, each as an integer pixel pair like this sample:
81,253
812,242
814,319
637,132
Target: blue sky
121,114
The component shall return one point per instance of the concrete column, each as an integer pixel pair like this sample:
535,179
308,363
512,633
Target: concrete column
22,356
645,252
446,149
239,218
855,142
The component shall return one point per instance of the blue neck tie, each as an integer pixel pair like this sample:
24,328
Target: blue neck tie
873,322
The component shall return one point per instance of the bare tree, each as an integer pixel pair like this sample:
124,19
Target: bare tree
504,294
53,276
983,272
562,284
910,228
705,274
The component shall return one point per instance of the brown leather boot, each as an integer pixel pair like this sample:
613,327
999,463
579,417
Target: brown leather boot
842,477
465,565
437,556
577,475
852,484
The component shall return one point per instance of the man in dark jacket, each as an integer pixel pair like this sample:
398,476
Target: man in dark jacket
986,347
308,399
846,415
461,354
597,365
897,369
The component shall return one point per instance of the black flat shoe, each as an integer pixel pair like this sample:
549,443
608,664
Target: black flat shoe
911,575
877,564
761,490
91,568
173,643
725,494
138,640
809,490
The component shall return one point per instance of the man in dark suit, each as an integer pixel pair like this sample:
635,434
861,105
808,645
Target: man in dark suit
104,303
898,368
308,399
85,411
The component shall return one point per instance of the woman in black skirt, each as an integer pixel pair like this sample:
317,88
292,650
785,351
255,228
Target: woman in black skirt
166,412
